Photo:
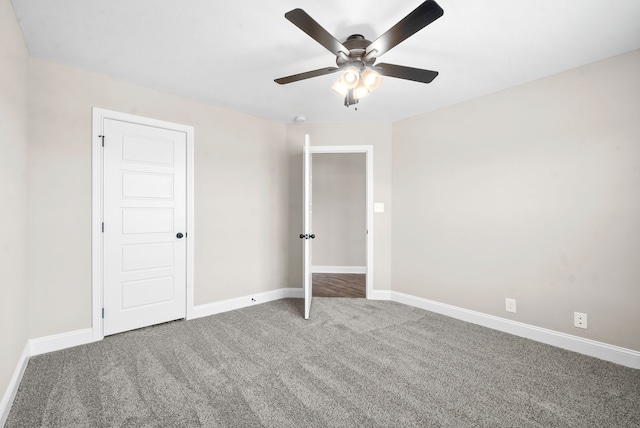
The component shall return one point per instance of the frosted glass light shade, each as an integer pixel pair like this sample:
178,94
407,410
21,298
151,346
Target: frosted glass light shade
371,79
360,91
350,77
340,88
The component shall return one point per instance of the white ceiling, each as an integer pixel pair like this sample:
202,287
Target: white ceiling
227,52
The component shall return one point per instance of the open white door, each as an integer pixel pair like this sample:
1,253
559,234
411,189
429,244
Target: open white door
307,235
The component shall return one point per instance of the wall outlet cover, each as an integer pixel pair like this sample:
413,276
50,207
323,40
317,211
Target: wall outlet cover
580,320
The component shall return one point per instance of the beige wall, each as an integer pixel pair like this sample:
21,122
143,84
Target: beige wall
13,193
339,209
376,135
241,187
531,193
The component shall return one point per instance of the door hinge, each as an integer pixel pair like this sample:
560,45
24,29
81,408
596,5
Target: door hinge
102,137
102,313
102,227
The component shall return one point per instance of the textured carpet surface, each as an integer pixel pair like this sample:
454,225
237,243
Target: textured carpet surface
356,363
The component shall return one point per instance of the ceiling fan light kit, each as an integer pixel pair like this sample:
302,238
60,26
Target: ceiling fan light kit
354,84
356,57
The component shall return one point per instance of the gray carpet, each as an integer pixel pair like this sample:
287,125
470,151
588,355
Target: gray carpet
356,363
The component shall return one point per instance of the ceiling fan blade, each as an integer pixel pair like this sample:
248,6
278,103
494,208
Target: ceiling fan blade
306,75
303,21
407,73
422,16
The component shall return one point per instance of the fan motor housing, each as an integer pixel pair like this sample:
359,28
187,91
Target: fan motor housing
357,45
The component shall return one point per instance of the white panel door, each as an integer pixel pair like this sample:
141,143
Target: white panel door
307,236
144,225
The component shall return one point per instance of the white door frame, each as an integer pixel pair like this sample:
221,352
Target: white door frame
97,200
368,151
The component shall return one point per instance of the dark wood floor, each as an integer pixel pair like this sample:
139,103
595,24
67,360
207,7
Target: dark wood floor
339,285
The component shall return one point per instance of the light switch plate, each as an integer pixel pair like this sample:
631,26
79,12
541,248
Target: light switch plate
510,305
378,207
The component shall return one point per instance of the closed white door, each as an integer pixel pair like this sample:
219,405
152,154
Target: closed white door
307,236
144,225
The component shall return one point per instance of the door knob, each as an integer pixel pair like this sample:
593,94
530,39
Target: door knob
179,235
303,236
312,236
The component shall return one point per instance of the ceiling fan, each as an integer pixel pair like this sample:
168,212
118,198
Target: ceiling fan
356,56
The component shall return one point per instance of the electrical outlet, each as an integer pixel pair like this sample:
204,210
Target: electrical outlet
579,320
510,305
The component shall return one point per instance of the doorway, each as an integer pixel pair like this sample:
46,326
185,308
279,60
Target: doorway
365,271
142,222
339,205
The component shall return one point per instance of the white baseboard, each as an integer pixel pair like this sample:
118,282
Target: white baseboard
56,342
592,348
14,383
294,293
339,269
243,302
379,295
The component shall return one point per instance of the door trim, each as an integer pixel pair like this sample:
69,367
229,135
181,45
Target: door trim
97,200
368,151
